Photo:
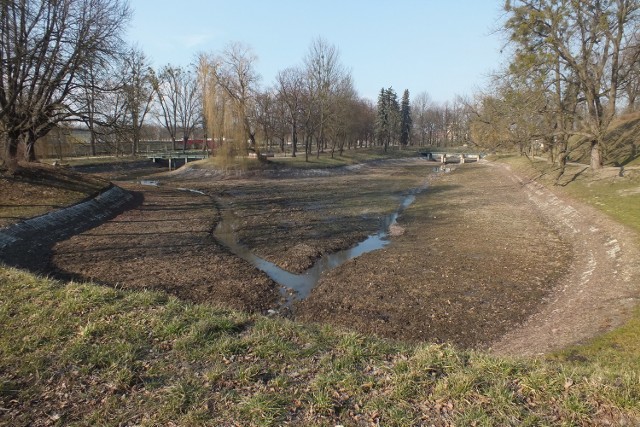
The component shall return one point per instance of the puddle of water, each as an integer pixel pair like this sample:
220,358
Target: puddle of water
191,190
149,182
296,287
442,168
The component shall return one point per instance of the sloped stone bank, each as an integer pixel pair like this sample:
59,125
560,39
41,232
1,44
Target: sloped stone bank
25,244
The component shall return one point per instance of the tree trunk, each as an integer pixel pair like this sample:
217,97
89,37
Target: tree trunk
252,143
307,148
562,157
13,140
92,142
30,147
294,140
92,131
596,155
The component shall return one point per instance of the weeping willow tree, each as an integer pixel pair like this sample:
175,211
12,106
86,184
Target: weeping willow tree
229,86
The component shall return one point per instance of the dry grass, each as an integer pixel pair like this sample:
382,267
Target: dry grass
79,354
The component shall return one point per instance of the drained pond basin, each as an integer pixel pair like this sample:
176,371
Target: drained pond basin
456,270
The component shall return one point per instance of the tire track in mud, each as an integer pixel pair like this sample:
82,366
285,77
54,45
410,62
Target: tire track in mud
601,288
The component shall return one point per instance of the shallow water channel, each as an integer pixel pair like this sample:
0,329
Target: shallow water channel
296,287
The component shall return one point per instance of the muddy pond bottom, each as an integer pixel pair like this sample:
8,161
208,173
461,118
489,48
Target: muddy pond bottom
296,287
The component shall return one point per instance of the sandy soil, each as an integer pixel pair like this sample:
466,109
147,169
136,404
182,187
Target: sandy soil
481,259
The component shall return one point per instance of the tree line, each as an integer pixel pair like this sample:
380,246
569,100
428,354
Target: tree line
573,67
66,63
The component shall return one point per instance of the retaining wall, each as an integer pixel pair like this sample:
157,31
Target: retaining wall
22,238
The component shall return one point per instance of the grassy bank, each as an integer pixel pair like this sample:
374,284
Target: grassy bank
35,189
617,196
348,157
79,354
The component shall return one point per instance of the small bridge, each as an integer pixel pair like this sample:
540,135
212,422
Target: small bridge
444,157
175,160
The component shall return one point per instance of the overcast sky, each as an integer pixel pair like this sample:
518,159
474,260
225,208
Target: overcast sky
442,47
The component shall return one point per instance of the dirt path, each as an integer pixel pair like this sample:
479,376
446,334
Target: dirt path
602,285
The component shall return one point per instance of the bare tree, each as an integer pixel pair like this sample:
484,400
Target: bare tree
269,118
235,73
87,100
512,116
93,103
43,47
341,123
324,74
180,102
138,89
421,103
291,86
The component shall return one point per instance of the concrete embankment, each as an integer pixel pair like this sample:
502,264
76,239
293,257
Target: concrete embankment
22,244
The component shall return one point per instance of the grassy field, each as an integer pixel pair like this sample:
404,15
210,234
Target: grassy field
82,354
348,157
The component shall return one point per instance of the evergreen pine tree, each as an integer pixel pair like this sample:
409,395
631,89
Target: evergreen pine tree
388,118
382,120
393,114
405,119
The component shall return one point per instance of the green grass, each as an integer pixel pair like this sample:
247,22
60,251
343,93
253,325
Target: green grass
81,354
619,197
348,157
99,160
